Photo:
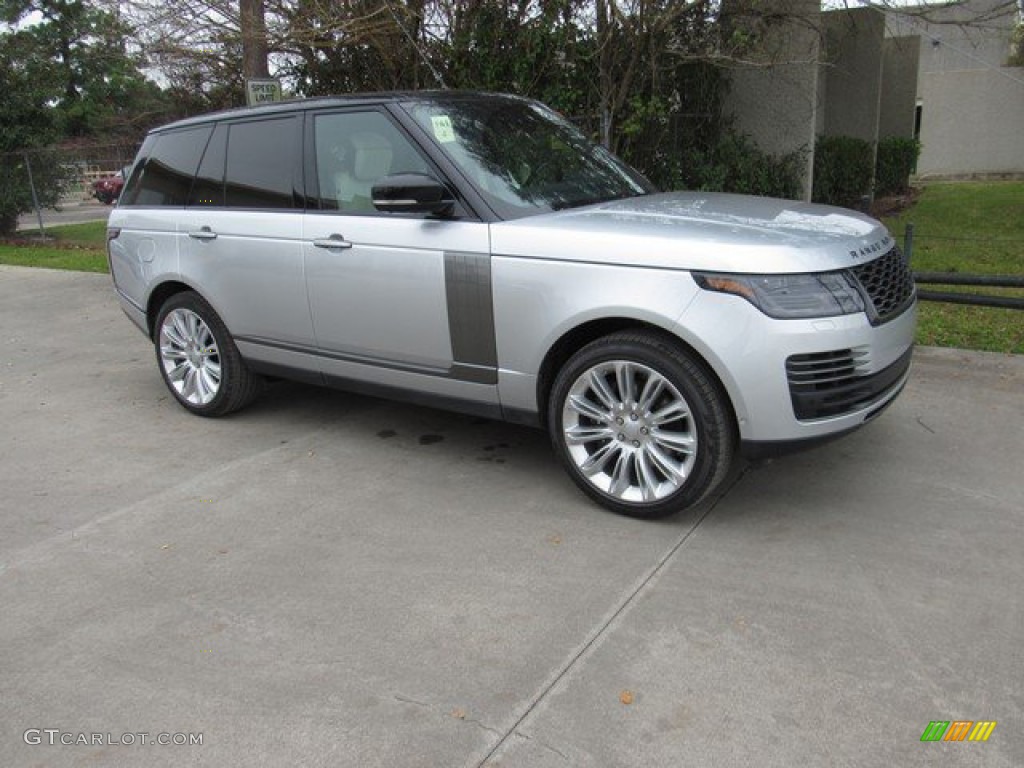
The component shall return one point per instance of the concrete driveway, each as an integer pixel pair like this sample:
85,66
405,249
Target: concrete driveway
331,580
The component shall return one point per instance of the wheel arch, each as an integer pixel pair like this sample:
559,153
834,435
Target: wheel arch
159,295
578,337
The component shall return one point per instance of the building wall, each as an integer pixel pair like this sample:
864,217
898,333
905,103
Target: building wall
853,72
900,59
973,34
871,73
972,123
972,107
776,105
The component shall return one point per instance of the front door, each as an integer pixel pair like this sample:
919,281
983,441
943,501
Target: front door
387,292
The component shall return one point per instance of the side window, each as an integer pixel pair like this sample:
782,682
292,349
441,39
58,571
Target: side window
208,187
262,167
131,184
353,151
166,176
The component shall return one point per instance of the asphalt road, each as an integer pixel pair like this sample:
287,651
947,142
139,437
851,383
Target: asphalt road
331,580
70,213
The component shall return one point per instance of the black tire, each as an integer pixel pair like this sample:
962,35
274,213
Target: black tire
236,385
669,450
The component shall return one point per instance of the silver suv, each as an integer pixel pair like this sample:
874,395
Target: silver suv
476,252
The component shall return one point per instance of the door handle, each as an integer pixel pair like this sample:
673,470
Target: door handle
334,241
203,233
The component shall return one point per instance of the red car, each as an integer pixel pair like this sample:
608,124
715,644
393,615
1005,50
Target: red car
108,188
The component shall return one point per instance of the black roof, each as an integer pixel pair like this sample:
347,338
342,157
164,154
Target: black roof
356,99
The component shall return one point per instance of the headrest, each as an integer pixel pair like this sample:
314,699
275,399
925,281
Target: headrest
372,156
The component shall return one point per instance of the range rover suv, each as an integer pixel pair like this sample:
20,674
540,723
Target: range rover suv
476,252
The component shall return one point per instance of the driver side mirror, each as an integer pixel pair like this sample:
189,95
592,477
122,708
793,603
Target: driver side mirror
412,193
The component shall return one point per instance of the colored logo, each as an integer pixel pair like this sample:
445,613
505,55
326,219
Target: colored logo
958,730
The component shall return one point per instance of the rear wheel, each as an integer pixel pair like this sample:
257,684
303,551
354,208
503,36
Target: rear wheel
641,427
198,359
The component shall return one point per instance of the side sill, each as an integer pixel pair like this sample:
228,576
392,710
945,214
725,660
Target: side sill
416,397
441,402
288,372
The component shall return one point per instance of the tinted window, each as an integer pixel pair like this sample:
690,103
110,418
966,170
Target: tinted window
208,187
131,185
166,175
262,169
353,151
523,157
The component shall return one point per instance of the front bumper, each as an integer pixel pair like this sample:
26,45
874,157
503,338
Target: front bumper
800,380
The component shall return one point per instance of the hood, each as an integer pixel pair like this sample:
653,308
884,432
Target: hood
699,230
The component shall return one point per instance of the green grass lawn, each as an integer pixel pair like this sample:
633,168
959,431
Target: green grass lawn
75,259
972,228
91,234
79,247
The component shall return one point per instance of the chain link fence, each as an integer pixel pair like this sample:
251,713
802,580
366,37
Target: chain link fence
50,177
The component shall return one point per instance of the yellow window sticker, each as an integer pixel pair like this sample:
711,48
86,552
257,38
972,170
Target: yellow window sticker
443,130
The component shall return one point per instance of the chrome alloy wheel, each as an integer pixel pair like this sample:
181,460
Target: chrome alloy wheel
629,431
189,354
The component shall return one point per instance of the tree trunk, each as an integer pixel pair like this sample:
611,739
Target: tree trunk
254,38
604,70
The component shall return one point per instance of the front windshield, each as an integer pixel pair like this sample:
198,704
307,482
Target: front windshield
523,157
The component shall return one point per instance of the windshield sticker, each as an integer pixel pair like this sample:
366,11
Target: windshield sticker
443,130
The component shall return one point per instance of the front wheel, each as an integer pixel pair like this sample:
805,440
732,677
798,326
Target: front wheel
198,359
640,426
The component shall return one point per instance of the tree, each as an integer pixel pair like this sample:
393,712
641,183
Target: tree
26,122
80,57
1017,48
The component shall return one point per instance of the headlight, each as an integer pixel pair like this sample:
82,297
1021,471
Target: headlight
790,296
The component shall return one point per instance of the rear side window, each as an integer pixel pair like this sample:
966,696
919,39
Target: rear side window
262,166
165,177
208,188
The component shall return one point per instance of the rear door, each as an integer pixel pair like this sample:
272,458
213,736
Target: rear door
241,240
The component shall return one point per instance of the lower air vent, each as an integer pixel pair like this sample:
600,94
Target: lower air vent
828,384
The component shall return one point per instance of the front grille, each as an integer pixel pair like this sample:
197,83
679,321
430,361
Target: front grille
889,284
827,384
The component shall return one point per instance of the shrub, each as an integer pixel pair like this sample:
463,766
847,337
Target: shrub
897,158
1017,48
842,170
51,178
736,164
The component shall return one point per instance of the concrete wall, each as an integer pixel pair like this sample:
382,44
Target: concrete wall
777,104
900,59
972,119
948,60
972,122
853,72
973,34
